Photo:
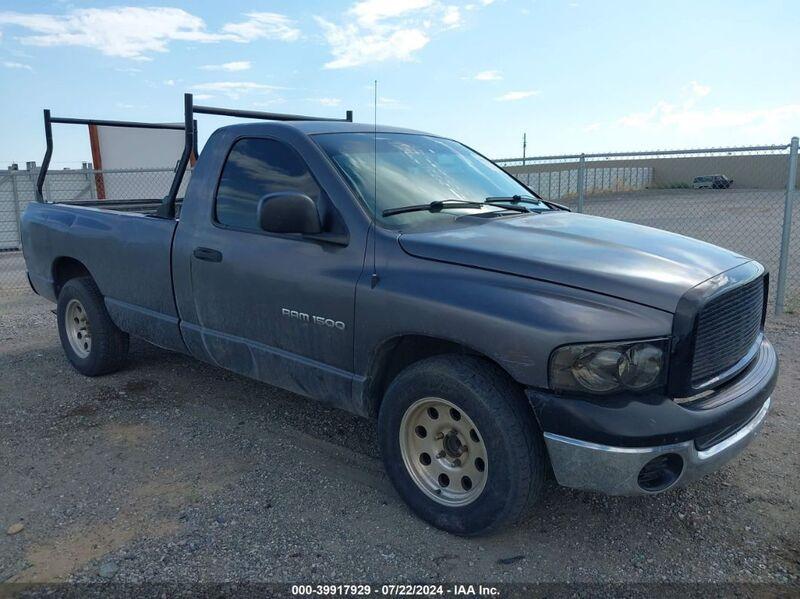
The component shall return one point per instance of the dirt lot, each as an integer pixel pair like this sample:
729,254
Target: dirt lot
174,470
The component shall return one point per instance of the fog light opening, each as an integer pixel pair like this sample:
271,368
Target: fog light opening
661,472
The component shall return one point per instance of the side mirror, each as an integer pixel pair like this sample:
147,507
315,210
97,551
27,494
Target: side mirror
289,212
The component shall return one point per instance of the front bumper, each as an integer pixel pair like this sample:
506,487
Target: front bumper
616,470
617,437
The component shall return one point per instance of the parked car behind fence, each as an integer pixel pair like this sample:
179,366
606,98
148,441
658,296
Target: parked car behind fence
712,182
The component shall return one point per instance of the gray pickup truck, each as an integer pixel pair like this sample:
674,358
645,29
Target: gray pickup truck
497,337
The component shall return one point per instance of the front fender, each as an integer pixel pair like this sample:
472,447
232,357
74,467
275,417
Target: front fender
512,320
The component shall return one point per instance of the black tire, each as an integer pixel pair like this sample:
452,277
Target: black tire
109,345
513,442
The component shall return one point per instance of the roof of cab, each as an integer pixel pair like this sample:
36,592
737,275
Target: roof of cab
321,127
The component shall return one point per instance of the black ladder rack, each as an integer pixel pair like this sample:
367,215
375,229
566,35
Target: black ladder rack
189,127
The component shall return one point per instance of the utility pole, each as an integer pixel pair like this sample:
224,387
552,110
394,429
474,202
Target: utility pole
524,146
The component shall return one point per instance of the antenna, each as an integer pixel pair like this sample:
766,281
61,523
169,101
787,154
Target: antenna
374,278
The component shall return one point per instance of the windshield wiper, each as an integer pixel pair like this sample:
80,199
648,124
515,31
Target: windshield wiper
436,206
513,200
517,199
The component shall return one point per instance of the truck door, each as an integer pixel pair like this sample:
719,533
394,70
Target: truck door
275,307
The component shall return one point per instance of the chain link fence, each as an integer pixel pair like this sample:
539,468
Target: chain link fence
732,197
18,189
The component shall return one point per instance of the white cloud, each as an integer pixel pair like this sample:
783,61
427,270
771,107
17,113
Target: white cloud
239,65
686,118
451,16
202,96
351,46
389,103
17,65
488,76
371,12
169,82
378,30
327,101
517,95
667,116
235,89
663,108
480,4
640,119
258,25
135,33
275,101
699,89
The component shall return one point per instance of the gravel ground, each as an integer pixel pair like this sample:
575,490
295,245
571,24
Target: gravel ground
171,470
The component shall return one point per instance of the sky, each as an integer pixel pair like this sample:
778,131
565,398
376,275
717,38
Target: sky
575,76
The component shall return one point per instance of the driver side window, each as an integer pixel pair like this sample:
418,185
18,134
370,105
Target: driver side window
254,168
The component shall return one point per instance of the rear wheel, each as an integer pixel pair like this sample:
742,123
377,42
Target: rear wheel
93,344
460,444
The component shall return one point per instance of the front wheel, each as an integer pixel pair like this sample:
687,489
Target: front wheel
460,444
90,339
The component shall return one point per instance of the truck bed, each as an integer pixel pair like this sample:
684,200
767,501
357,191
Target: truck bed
125,250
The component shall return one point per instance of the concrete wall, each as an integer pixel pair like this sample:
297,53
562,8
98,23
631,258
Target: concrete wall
754,171
562,184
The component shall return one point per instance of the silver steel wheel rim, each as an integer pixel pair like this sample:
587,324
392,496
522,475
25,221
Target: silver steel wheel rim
77,327
443,451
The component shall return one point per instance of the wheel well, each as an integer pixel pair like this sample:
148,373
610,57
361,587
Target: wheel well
65,269
396,354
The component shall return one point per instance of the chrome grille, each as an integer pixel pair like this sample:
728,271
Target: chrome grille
727,327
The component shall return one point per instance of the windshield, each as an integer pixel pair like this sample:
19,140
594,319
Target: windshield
418,169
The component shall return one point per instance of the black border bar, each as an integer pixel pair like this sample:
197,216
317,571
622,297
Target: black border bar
132,124
267,116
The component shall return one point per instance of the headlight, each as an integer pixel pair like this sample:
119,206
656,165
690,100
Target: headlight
603,368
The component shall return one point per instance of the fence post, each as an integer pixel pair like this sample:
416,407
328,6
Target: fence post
558,196
783,269
581,177
15,202
89,180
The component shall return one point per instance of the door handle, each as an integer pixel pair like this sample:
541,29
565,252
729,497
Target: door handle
208,254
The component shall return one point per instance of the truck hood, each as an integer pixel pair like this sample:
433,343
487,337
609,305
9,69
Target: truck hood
633,262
